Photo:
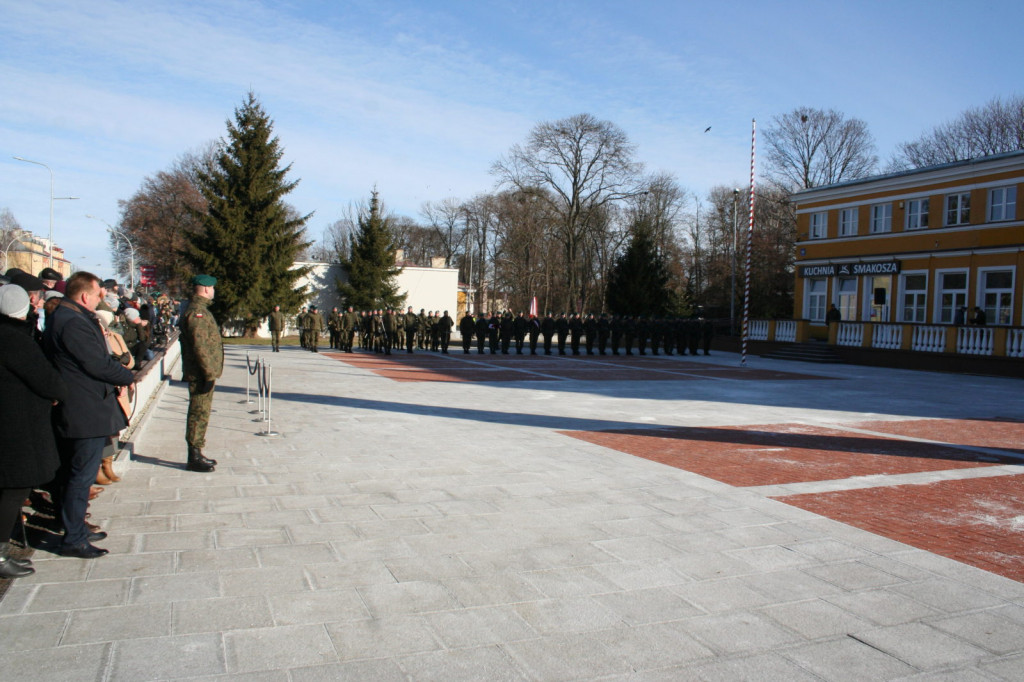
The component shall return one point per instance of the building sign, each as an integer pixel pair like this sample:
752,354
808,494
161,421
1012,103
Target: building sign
891,267
147,275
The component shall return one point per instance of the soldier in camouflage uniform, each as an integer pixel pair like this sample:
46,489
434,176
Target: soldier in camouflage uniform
202,358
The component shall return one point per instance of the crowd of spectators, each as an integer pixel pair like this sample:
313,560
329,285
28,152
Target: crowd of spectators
67,354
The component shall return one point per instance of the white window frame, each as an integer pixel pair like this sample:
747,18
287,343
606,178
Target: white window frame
920,304
881,218
845,293
956,209
1002,204
937,315
992,316
848,222
815,310
882,312
819,225
916,215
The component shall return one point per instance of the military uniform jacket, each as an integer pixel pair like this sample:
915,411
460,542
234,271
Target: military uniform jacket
202,351
275,321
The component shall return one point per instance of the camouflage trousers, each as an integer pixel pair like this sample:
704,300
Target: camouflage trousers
199,406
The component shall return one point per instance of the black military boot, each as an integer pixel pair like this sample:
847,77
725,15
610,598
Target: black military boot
196,461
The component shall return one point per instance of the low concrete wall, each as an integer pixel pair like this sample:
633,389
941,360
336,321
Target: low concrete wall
149,384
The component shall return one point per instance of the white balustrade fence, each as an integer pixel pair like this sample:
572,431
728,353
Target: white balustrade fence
974,340
849,334
758,330
929,339
1015,343
889,336
785,330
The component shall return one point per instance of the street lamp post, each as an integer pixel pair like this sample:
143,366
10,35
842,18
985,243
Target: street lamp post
7,249
52,198
732,294
131,248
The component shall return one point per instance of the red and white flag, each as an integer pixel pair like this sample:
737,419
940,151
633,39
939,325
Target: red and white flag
533,307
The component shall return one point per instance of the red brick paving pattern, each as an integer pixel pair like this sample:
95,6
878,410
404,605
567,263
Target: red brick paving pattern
774,454
1005,434
978,521
457,367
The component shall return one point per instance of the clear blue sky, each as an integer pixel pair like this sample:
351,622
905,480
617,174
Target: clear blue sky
419,98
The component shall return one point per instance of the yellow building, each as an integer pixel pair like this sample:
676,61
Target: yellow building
31,254
921,248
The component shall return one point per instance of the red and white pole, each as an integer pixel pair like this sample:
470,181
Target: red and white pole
750,248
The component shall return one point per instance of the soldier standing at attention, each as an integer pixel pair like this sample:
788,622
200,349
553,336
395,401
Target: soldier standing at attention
300,324
547,328
483,330
562,331
444,331
467,325
334,327
275,321
411,323
314,325
202,358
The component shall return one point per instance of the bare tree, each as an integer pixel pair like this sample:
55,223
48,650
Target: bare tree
447,221
813,147
994,128
580,164
158,216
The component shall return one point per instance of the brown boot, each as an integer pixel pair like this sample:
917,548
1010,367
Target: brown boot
107,468
101,477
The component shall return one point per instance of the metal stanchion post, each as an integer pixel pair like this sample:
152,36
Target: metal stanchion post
248,373
269,383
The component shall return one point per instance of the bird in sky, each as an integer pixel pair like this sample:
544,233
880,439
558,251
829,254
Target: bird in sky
707,129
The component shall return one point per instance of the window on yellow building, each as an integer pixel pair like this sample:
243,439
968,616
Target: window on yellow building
917,214
914,297
952,295
996,292
817,290
819,225
848,222
958,208
881,218
847,295
1002,203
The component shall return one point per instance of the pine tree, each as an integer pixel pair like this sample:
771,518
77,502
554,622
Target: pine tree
371,266
250,237
638,282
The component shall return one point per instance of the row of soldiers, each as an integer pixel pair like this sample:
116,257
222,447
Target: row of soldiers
378,330
592,334
381,331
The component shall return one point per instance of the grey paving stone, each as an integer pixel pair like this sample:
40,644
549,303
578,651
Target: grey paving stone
380,670
571,656
115,623
87,662
920,645
322,606
384,600
32,631
568,614
986,629
262,581
815,619
741,632
171,588
481,663
845,658
382,637
479,626
71,596
166,657
220,614
769,667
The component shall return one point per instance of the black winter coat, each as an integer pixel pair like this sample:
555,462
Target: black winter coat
28,387
74,343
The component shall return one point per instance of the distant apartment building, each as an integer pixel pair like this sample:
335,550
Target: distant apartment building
921,247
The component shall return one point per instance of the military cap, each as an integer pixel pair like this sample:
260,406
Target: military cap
50,273
204,281
26,281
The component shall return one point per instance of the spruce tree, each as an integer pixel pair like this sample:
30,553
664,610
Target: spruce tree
638,282
370,267
250,237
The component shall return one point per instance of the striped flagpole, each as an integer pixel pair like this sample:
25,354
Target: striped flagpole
533,306
750,247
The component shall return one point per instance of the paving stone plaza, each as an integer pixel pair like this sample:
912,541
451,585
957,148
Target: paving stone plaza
478,517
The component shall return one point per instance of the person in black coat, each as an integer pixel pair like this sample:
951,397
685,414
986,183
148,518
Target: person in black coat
483,328
547,328
74,342
467,325
29,386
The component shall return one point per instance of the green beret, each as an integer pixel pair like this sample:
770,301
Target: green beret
204,281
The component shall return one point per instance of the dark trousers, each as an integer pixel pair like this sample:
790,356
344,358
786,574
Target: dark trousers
80,459
467,341
11,500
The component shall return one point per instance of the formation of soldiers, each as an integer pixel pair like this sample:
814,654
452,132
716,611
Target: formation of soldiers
591,334
381,331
